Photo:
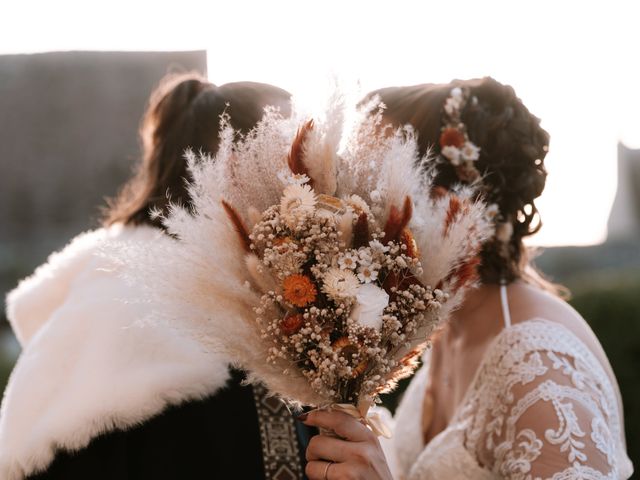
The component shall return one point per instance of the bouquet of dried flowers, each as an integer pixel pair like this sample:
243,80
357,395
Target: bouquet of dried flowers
320,269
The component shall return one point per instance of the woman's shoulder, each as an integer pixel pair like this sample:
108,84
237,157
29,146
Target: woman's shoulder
545,379
528,301
532,308
546,342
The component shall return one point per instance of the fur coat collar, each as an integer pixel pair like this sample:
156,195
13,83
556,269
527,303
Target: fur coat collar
86,366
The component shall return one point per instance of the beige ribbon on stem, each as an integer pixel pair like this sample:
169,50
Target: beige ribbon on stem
372,420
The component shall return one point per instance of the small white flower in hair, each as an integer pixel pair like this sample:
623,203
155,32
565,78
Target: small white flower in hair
452,105
452,153
456,92
470,152
456,147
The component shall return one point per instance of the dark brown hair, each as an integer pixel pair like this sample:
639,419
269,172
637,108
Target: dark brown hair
184,112
512,144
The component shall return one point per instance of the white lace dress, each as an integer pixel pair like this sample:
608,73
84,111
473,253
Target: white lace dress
540,406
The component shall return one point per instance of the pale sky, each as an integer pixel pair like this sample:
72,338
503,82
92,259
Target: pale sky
574,63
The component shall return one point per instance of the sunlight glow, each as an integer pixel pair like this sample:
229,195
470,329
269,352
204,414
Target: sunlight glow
572,62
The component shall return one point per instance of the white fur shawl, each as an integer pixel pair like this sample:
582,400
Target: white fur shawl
86,366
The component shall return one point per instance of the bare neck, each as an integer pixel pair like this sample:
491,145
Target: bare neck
479,314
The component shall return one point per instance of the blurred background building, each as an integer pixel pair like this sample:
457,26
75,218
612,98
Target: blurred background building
68,139
624,220
68,125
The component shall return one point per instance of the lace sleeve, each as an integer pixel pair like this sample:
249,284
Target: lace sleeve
546,409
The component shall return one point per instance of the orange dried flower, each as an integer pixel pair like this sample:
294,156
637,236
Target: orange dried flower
340,343
291,324
281,241
451,137
299,290
360,368
407,238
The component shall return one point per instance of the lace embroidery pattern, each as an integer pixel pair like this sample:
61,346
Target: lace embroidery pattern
542,395
540,407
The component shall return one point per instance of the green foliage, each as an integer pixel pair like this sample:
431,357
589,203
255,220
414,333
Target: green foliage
7,357
611,305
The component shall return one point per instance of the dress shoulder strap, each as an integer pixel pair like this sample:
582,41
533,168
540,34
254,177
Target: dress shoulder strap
506,315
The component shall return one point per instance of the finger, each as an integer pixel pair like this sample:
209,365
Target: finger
326,448
342,424
316,470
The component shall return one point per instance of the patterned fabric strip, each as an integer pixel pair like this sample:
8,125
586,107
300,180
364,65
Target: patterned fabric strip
280,447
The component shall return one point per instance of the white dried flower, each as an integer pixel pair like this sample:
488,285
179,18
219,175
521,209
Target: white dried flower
288,178
371,302
365,257
452,105
377,248
456,93
358,205
300,179
470,152
340,284
368,273
347,261
289,263
298,200
452,153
